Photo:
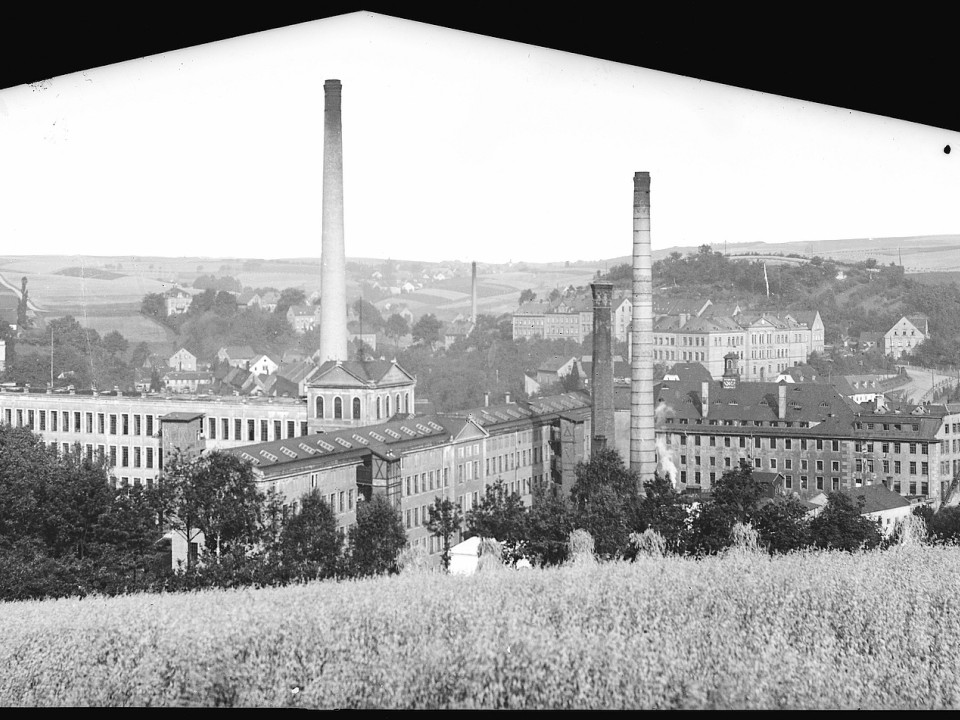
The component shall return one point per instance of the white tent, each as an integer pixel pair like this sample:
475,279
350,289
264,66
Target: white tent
464,557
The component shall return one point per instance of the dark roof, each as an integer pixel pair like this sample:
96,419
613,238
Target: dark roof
690,371
876,498
365,370
555,363
180,416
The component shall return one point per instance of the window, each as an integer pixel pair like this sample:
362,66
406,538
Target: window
913,467
124,424
76,422
125,456
149,457
291,428
251,430
149,424
136,457
819,482
113,424
319,407
356,408
835,466
337,408
835,446
263,431
212,428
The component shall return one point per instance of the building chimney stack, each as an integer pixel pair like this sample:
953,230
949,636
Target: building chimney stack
782,400
643,457
601,382
486,399
506,398
333,281
704,399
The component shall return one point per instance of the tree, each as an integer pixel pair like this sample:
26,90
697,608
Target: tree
550,521
154,306
500,515
527,295
225,304
310,544
606,500
840,526
662,509
571,381
782,525
156,382
738,493
115,343
377,538
23,321
444,520
427,329
369,315
289,297
397,326
216,494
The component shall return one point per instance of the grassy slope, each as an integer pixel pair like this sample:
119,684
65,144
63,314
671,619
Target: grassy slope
879,630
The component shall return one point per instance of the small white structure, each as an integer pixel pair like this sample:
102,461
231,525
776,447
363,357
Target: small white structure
465,556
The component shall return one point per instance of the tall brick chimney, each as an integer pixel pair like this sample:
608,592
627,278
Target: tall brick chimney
333,267
601,382
643,452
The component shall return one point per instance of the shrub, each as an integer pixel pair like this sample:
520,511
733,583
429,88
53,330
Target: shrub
581,547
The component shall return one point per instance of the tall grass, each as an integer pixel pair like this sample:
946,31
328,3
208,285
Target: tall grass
743,630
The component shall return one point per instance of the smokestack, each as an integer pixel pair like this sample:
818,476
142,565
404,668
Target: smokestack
506,398
486,399
473,291
782,400
704,399
643,458
333,281
601,382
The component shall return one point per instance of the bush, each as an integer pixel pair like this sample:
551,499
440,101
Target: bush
581,547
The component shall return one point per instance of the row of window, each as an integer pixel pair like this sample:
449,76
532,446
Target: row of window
253,430
76,421
772,443
128,457
383,407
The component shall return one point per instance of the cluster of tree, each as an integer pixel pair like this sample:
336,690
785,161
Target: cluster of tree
212,282
870,298
73,355
606,500
65,530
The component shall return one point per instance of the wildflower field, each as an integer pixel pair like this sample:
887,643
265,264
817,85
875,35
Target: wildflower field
740,630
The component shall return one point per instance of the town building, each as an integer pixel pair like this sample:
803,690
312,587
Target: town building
177,301
183,359
905,335
239,356
416,460
303,317
818,439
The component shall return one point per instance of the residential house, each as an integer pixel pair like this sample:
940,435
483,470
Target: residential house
904,336
183,359
553,370
188,381
303,317
239,356
177,301
263,365
879,504
457,330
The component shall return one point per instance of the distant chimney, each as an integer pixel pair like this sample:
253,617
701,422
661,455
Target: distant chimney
643,453
782,400
601,383
704,399
486,399
506,398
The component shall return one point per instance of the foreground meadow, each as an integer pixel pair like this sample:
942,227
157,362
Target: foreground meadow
817,630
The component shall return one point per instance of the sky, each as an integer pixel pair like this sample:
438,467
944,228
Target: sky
456,146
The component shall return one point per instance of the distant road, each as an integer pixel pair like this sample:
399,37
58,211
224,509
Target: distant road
923,381
31,305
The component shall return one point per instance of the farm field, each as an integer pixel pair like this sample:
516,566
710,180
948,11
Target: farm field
877,630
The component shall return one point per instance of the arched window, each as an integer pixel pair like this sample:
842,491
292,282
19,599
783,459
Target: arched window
319,407
337,408
406,402
398,402
379,413
388,406
356,408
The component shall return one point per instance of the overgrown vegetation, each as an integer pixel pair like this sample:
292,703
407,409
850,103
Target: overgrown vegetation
741,630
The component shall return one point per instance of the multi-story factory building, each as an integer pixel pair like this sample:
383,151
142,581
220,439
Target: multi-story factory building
812,436
413,461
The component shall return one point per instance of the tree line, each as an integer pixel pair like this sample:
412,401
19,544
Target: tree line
67,530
